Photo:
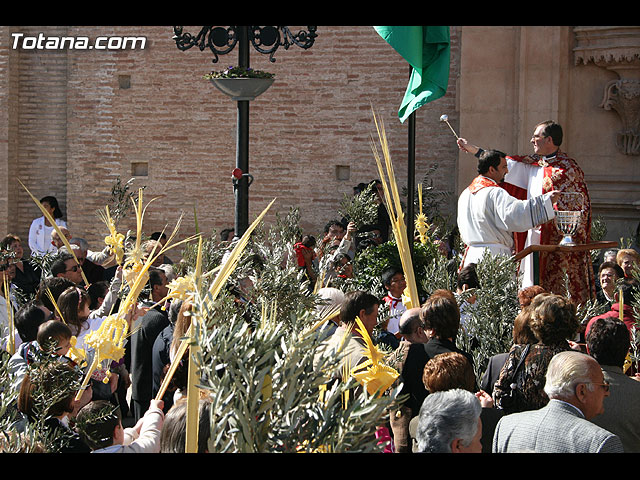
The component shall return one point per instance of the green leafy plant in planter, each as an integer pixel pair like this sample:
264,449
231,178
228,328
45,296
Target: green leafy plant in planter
241,83
239,72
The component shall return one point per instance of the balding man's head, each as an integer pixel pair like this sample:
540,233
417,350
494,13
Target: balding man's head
410,326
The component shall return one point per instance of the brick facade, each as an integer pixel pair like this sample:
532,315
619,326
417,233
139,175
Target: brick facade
73,121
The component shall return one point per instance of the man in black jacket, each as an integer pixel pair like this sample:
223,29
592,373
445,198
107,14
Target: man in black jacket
441,317
145,331
411,359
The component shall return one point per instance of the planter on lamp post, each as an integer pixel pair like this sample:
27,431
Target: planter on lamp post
241,85
242,88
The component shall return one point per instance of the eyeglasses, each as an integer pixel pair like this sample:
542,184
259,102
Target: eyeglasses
606,385
75,268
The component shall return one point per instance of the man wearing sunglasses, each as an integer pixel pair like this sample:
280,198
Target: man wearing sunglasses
66,266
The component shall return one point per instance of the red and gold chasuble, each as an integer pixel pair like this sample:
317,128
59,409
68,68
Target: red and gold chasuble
564,174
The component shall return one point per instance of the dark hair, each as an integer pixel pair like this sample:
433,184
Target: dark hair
27,321
8,240
56,285
52,330
58,265
489,158
308,241
608,341
224,234
522,333
617,268
365,243
441,313
173,435
48,389
96,422
96,291
468,276
158,235
370,227
53,201
553,318
388,274
337,261
156,276
356,301
69,303
333,222
553,130
359,188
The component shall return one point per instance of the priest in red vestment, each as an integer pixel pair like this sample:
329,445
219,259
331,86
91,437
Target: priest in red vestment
531,175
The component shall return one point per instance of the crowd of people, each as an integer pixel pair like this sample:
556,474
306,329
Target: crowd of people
53,298
575,382
448,409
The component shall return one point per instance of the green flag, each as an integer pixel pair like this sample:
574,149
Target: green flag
427,49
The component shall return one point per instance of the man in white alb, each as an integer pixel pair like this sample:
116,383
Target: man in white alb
488,215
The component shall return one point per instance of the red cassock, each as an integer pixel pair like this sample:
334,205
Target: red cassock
564,174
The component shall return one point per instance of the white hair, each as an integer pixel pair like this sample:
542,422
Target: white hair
81,242
446,416
565,371
330,299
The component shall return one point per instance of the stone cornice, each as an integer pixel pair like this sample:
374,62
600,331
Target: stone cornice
607,46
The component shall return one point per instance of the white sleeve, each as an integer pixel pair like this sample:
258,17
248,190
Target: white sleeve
148,441
521,215
519,173
33,230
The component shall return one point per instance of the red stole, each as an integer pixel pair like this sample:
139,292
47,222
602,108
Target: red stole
481,182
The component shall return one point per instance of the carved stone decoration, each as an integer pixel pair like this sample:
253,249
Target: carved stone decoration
623,96
616,48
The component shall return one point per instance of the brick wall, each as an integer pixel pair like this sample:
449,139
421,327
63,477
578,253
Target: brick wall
83,118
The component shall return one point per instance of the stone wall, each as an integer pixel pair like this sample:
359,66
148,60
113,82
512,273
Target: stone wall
514,77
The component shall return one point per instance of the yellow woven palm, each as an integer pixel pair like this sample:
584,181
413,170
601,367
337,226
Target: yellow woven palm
115,240
421,224
182,288
77,355
373,374
108,340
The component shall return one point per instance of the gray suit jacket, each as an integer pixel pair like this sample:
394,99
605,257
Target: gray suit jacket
556,428
622,408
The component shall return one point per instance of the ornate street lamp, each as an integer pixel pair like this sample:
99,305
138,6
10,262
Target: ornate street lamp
220,41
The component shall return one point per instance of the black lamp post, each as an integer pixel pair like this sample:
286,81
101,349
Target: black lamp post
220,41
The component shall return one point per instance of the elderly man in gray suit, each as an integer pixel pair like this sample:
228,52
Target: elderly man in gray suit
576,389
